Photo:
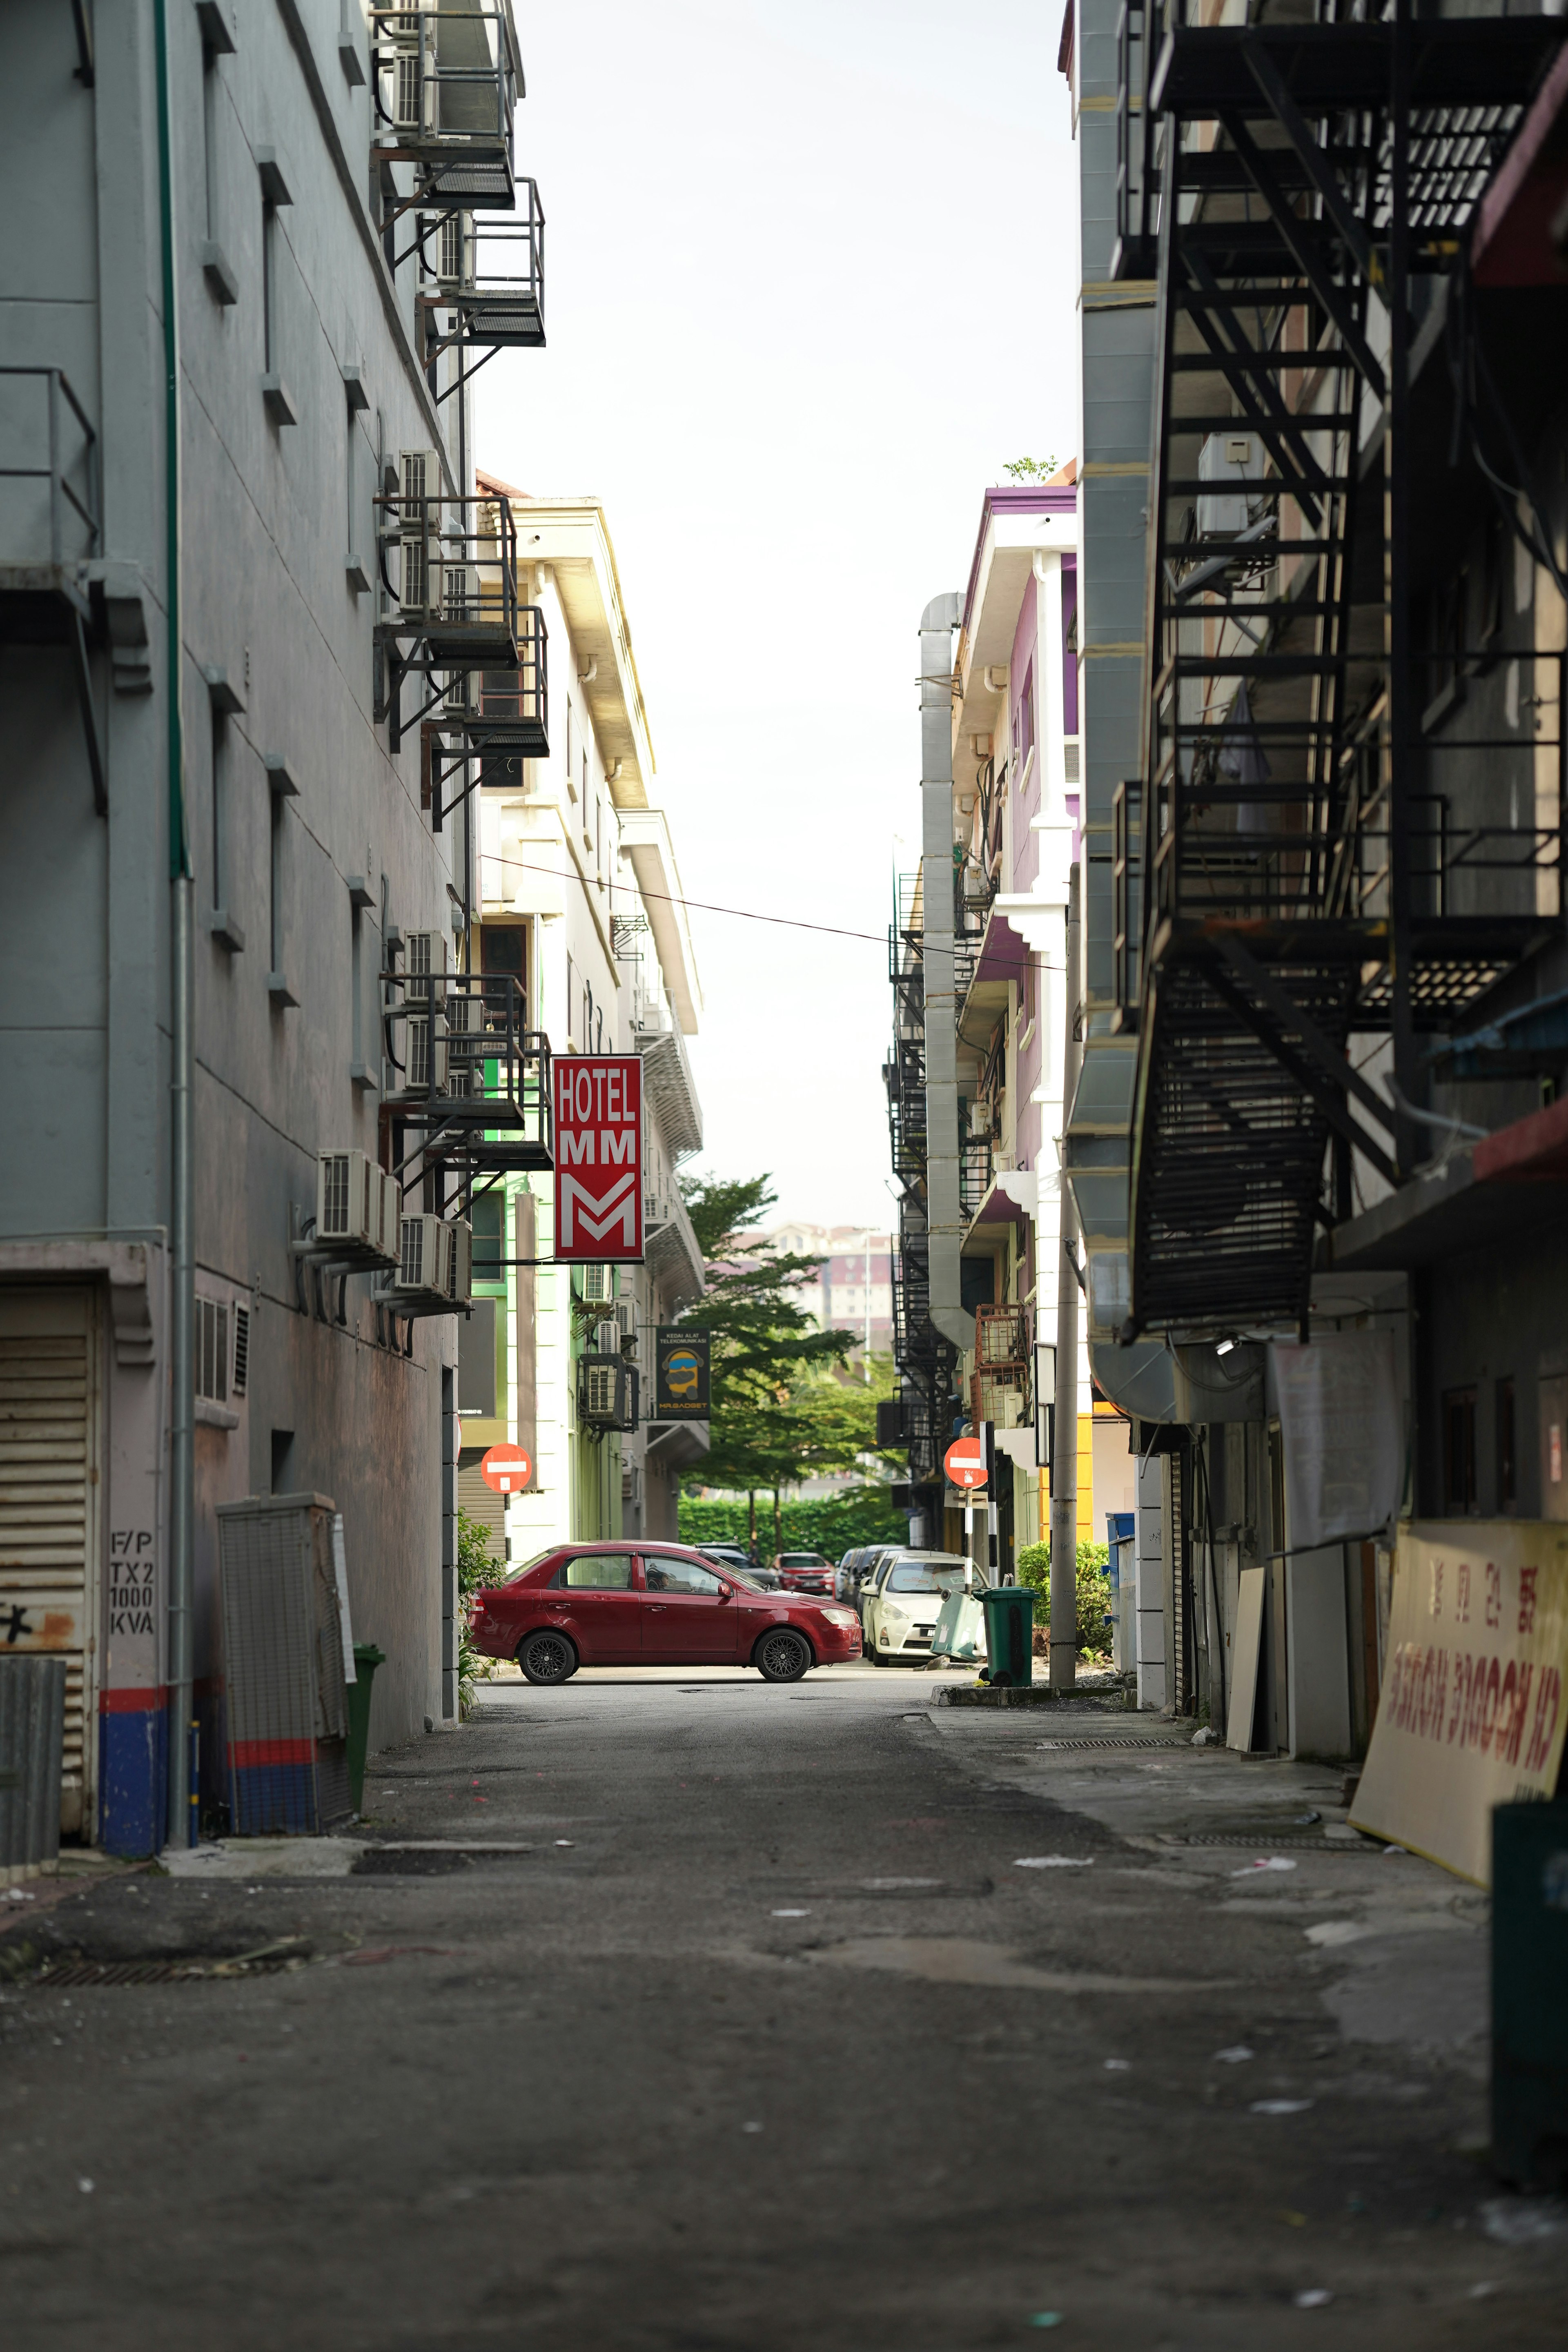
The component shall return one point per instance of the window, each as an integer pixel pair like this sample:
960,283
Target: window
663,1574
1459,1451
487,1215
220,808
356,983
275,884
1507,1460
212,1352
924,1575
608,1572
1024,720
270,286
503,953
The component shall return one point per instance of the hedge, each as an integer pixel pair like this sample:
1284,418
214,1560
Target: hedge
834,1525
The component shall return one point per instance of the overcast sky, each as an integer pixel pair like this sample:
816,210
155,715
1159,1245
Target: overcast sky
810,284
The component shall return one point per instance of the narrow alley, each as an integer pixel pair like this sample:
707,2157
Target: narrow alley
685,2013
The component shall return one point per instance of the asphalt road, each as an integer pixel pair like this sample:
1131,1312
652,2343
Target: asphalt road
752,2030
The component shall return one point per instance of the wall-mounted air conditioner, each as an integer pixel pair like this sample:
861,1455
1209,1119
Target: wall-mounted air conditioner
352,1206
424,961
420,1047
980,1117
598,1284
420,1255
1230,460
607,1392
454,253
458,1260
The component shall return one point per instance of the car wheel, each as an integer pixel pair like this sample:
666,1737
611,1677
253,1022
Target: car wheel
782,1656
547,1658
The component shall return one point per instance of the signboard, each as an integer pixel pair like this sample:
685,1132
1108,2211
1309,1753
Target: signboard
1471,1711
964,1461
1341,1430
598,1158
507,1469
681,1380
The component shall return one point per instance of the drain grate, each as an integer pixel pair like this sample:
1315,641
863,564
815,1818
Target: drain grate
1269,1838
1109,1740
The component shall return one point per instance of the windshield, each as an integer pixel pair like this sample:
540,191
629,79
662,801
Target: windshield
924,1575
743,1576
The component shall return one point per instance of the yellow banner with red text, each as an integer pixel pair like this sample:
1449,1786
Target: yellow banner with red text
1471,1711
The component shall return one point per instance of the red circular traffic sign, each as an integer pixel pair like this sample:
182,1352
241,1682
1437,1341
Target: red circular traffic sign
507,1469
964,1461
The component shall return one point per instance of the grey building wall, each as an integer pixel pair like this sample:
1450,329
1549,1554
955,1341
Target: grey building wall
270,511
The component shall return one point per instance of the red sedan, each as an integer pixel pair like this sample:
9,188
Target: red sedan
613,1604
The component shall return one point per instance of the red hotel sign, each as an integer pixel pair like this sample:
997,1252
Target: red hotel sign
598,1158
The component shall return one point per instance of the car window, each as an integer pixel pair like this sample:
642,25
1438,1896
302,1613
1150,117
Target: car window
923,1576
662,1573
514,1575
607,1571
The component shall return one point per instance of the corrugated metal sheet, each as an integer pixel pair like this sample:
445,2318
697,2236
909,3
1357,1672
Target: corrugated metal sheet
482,1502
31,1725
49,1520
283,1664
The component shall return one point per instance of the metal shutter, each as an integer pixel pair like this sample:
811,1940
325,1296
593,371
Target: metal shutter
482,1502
49,1487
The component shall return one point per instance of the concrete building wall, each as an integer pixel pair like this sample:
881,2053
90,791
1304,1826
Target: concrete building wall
269,511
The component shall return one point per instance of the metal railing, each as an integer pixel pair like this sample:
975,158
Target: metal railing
459,1052
62,469
445,87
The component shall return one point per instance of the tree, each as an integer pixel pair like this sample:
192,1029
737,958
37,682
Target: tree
764,1347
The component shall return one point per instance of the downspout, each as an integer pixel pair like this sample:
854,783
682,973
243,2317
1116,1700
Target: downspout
943,1214
181,1796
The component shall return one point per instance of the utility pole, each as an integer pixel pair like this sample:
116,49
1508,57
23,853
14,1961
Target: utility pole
1063,1462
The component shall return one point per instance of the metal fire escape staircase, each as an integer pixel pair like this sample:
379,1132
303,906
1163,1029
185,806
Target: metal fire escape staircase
1285,878
924,1358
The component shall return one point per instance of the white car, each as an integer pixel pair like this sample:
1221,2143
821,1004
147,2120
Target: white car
899,1605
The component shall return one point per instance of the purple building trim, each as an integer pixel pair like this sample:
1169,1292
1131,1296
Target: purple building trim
1032,498
1069,660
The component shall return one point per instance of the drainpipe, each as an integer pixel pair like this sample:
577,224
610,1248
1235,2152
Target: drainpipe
1064,1468
944,1216
181,1317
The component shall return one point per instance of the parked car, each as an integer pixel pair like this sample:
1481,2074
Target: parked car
900,1604
845,1581
617,1605
804,1572
735,1556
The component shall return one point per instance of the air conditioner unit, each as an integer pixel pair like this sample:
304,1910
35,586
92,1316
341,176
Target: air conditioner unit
458,1260
455,251
414,92
459,586
351,1202
417,1073
980,1117
1231,461
419,529
607,1392
424,963
390,1214
627,1318
598,1284
420,1255
465,1046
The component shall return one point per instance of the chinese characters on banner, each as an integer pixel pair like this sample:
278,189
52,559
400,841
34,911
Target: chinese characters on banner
1471,1711
598,1158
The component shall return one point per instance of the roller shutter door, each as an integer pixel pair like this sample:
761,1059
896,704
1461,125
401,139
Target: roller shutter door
482,1502
48,1519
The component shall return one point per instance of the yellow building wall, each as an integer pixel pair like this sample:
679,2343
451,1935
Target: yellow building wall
1084,1487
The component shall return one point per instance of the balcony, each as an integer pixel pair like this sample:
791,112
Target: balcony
51,504
668,1085
671,1250
489,289
467,1080
445,82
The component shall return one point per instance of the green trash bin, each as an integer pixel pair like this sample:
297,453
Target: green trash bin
367,1657
1009,1636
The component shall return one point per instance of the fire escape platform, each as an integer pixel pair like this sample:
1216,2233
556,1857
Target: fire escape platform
1512,1183
1205,68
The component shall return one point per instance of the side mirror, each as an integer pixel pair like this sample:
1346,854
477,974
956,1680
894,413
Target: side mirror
725,1593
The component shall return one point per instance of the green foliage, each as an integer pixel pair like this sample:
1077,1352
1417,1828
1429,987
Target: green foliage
763,1344
1031,470
1034,1568
477,1566
832,1526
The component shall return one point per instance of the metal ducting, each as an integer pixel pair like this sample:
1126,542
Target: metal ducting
938,622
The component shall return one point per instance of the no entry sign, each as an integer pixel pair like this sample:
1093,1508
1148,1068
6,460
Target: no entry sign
598,1158
507,1469
964,1461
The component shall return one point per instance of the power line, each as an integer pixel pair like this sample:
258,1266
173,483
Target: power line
741,914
